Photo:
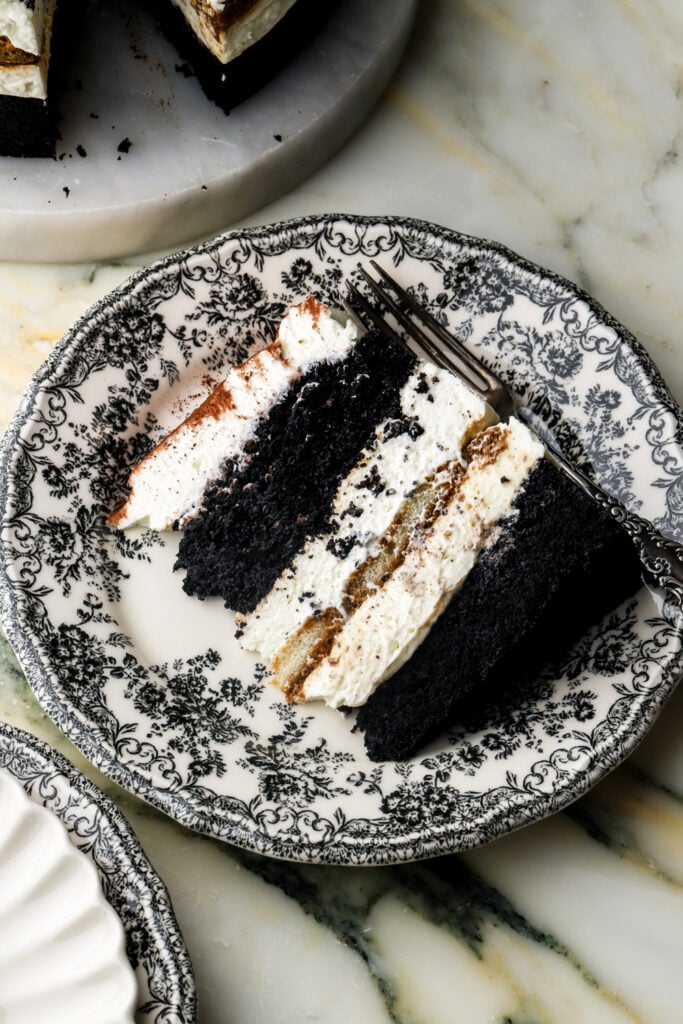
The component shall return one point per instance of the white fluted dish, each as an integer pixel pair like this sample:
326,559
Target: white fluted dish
62,947
87,932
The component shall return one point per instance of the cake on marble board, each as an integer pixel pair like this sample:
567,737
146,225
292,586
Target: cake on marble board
232,46
356,508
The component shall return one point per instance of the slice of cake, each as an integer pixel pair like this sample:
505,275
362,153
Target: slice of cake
233,47
384,542
168,485
554,567
26,118
229,27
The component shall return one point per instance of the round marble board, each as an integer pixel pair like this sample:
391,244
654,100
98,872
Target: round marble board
147,162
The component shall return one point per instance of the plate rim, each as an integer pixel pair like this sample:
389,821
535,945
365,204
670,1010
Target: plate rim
20,742
344,850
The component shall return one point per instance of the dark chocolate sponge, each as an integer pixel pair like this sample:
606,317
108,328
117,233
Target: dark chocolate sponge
558,566
26,127
256,518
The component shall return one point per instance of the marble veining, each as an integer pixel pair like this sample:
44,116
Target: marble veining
556,129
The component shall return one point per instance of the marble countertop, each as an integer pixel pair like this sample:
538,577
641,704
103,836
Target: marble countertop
556,129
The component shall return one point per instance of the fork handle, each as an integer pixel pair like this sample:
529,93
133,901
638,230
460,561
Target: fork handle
661,559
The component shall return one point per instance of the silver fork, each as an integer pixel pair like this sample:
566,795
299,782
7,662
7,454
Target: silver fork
661,559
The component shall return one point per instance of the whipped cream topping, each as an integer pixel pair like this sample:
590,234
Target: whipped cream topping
167,486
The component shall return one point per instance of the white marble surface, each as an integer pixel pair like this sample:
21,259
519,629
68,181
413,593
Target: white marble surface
145,160
554,128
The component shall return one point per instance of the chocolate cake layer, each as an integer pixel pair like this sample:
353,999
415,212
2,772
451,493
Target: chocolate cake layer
557,566
26,127
255,518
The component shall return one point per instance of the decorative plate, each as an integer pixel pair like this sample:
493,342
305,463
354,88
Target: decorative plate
150,684
65,955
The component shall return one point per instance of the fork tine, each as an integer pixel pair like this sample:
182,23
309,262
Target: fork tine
371,313
452,343
408,325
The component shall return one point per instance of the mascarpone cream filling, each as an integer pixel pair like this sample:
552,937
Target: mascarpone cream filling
168,485
448,414
387,626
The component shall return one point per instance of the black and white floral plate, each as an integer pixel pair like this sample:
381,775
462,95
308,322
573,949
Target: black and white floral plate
150,684
60,948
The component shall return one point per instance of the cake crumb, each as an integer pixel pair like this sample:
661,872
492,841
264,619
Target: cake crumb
124,145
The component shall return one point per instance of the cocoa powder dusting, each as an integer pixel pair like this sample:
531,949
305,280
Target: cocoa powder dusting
487,446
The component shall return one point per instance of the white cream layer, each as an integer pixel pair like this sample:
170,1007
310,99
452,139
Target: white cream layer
378,637
316,579
23,25
237,37
27,81
167,486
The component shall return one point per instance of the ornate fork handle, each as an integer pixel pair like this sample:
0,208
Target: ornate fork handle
662,559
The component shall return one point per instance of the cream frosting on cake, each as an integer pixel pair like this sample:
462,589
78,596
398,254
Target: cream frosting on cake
168,484
22,23
228,28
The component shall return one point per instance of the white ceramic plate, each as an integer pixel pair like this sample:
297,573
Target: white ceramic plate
80,905
150,684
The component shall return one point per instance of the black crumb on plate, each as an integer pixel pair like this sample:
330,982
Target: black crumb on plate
278,138
67,191
81,151
124,146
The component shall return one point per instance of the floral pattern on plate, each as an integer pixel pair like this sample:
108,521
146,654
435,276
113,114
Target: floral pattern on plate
151,684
